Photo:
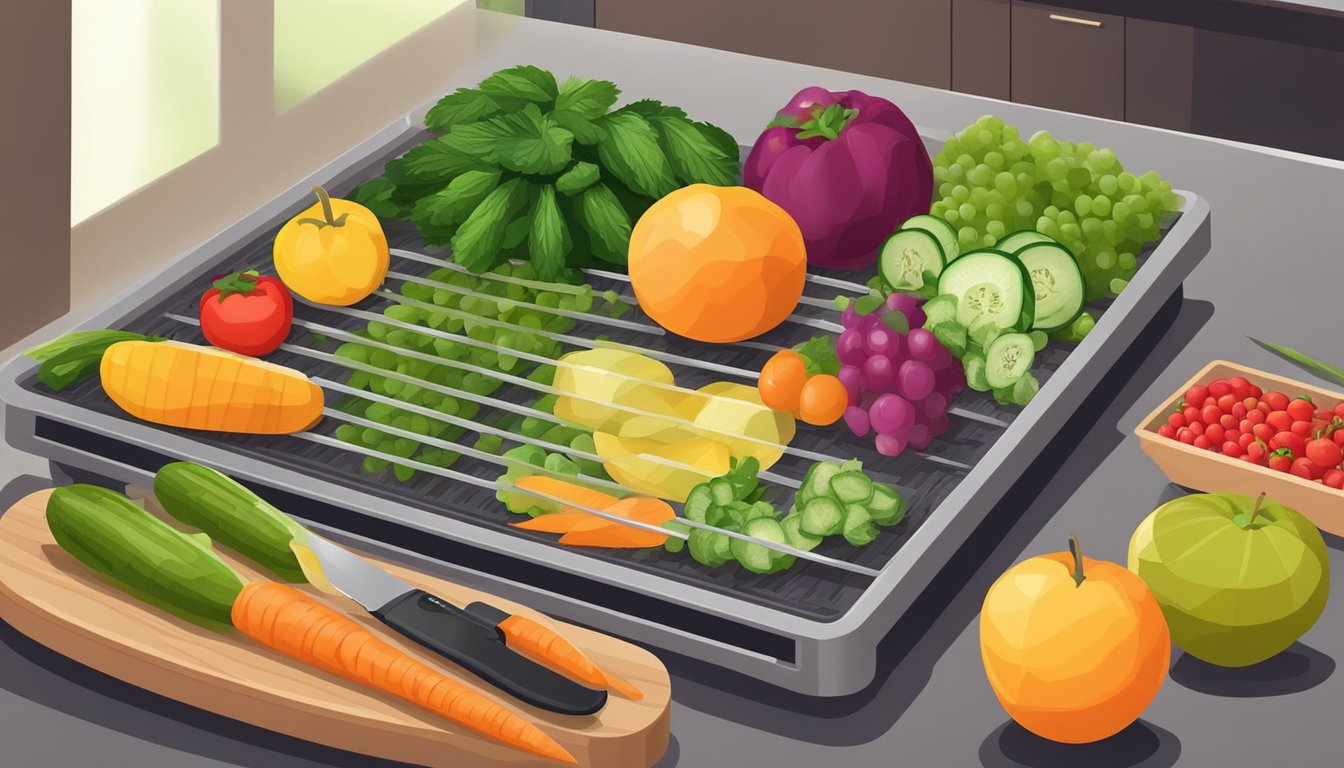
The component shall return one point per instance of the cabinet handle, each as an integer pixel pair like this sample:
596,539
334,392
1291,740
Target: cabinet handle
1074,20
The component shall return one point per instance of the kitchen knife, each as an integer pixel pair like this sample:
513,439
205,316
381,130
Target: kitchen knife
475,637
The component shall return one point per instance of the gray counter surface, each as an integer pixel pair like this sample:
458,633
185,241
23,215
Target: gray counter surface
1275,271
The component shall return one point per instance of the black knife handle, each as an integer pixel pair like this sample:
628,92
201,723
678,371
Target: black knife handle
478,647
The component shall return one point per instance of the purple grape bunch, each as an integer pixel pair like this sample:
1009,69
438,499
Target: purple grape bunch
901,381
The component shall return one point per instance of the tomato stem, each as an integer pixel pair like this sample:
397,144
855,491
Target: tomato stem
328,220
1076,549
1256,509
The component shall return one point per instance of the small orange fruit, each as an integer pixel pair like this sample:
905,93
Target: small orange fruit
717,264
781,380
1074,648
823,400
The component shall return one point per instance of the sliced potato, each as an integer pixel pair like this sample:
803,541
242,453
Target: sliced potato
605,401
633,462
736,409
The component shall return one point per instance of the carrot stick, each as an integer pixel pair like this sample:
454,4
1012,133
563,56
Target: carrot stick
560,522
550,647
299,626
617,535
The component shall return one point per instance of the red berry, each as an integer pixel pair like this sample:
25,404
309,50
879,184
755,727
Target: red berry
1197,427
1210,414
1203,441
1256,416
1226,402
1240,386
1301,410
1196,394
1220,387
1230,448
1306,469
1276,400
1185,435
1216,433
1302,428
1191,414
1279,420
1324,453
1176,420
1263,432
1280,461
1334,478
1168,431
1246,441
1229,421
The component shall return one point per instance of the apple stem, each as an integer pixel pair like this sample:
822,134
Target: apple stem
1076,549
1256,510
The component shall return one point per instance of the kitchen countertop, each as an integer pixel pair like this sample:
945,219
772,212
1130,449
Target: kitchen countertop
1273,272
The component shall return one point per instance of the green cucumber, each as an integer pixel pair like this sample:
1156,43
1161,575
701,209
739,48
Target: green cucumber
1016,241
796,536
990,287
940,309
143,555
230,514
698,502
1057,284
851,487
817,481
756,557
911,259
823,516
1008,359
946,234
708,547
951,335
858,527
886,507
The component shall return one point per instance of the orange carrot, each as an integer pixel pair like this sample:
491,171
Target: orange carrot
618,535
299,626
571,492
561,522
551,648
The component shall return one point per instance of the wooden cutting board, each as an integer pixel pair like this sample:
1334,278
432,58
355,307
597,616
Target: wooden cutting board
54,599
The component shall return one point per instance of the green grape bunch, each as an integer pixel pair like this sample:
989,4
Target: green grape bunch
991,183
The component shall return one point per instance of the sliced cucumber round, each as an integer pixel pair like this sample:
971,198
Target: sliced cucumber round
910,259
1008,359
756,557
1057,284
939,228
991,287
1016,241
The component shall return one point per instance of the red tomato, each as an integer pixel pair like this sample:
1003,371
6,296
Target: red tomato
1324,453
1220,387
1279,420
1256,451
1176,420
1185,435
1302,428
1246,440
246,313
1339,409
1291,441
1240,387
1191,414
1276,400
1210,414
1202,441
1197,427
1338,437
1301,409
1281,460
1196,394
1306,469
1256,392
1216,433
1263,432
1239,411
1226,402
1229,421
1256,416
1230,448
1167,431
1334,478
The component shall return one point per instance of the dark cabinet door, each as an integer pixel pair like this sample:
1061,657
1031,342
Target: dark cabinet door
982,47
1069,60
1159,73
908,40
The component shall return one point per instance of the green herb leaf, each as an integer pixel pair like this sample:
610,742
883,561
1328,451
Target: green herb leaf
632,153
607,224
695,154
586,131
525,141
56,346
548,241
587,98
434,162
522,82
74,356
376,195
896,321
578,178
1320,368
818,355
479,241
438,215
652,108
465,105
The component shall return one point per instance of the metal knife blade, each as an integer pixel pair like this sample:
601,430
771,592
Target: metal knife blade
470,637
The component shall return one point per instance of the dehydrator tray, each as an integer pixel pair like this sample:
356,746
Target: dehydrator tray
813,628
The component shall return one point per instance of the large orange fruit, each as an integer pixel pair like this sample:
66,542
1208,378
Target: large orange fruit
1073,656
717,264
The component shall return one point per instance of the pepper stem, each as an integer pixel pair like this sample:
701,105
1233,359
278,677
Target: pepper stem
328,217
1256,509
1076,549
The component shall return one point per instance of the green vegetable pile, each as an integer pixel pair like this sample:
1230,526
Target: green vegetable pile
527,168
835,500
991,183
474,306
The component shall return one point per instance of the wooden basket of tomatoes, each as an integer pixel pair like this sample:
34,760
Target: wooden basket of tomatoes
1241,430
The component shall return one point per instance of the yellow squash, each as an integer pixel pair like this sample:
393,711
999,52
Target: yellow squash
333,253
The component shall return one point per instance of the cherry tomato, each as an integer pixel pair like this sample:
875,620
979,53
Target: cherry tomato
1203,441
1245,425
1230,448
823,400
1339,409
1229,421
1176,420
1233,435
1275,400
782,379
1220,387
1256,391
1247,458
1167,431
1216,433
1246,441
1291,441
1250,403
1210,414
1210,400
1324,452
1185,435
1302,428
1196,394
1197,427
246,313
1338,437
1256,451
1279,420
1191,414
1281,460
1301,409
1239,411
1240,386
1334,478
1306,469
1263,432
1226,402
1256,416
1325,414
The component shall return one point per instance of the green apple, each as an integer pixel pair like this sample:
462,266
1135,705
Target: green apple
1239,579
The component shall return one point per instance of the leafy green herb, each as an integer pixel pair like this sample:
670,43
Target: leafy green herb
818,355
75,355
578,178
524,141
1325,370
549,236
606,222
522,82
632,152
587,98
376,195
462,106
479,241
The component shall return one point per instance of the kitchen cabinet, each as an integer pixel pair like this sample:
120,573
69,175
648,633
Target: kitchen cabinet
981,47
1159,73
1068,60
910,40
